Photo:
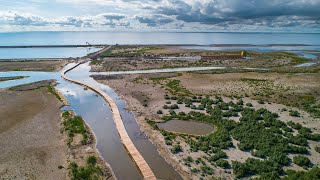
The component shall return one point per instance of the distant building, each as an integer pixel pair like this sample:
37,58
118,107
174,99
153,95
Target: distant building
242,55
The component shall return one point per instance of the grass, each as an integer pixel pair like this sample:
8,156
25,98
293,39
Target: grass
175,88
91,171
295,58
129,51
75,125
53,92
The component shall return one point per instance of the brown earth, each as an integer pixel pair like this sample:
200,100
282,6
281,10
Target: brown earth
31,144
145,97
41,65
156,57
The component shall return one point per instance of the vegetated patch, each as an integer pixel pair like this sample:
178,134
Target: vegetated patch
32,86
259,132
295,59
84,161
176,88
129,51
90,171
11,78
75,125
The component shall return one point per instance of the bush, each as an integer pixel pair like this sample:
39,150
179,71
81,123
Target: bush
159,112
75,125
92,160
176,149
175,106
302,161
260,101
249,105
90,171
317,148
218,155
294,113
222,163
313,174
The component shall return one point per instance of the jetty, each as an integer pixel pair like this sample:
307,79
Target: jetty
126,141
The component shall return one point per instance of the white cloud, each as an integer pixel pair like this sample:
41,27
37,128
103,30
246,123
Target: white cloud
198,15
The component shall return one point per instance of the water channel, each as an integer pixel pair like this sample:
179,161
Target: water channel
98,116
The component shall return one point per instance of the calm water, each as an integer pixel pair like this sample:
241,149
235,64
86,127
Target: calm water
98,115
81,38
27,53
71,38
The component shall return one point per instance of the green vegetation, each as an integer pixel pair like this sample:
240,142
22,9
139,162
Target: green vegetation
222,163
317,148
75,125
152,123
176,149
159,112
91,171
176,88
260,132
313,174
295,58
302,161
53,92
129,51
294,113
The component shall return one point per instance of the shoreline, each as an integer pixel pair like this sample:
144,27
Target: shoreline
91,133
152,134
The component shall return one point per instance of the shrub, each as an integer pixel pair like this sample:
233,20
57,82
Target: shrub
175,106
260,101
302,161
317,148
92,160
222,163
218,155
313,174
159,112
249,105
76,125
176,149
294,113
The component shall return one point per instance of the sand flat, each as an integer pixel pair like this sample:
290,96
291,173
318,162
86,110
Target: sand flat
31,145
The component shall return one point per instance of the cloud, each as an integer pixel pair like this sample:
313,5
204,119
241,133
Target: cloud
14,18
155,20
195,15
219,11
23,19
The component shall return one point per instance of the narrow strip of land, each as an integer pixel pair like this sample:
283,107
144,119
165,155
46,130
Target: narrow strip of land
135,154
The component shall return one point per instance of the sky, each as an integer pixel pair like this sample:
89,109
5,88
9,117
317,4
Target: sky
161,15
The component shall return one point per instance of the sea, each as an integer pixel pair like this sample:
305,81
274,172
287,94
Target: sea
261,41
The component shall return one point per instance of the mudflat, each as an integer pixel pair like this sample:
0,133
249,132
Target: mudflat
32,65
31,145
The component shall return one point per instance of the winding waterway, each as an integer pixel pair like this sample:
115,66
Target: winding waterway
98,116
